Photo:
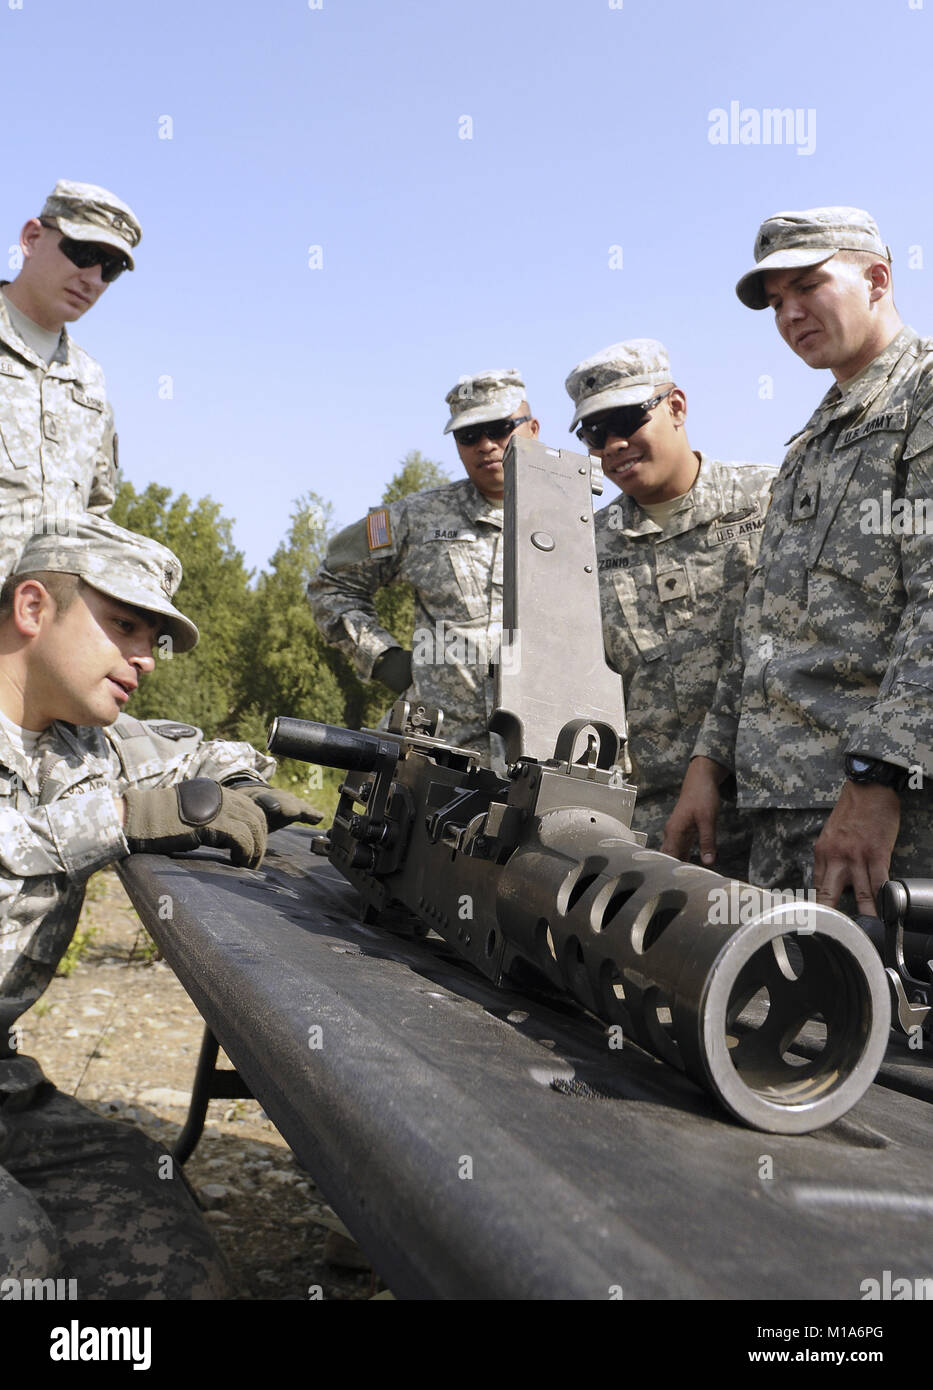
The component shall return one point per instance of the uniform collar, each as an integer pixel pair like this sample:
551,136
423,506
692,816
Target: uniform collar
480,508
855,396
14,760
9,335
59,755
704,502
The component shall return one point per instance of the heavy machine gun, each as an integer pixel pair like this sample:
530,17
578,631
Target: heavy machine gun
779,1008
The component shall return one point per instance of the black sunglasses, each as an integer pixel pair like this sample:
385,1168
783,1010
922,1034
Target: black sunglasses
494,430
623,423
87,253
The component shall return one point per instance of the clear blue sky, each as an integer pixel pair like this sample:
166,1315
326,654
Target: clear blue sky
340,127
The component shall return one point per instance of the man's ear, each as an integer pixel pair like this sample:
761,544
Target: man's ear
878,276
533,426
31,603
678,404
32,230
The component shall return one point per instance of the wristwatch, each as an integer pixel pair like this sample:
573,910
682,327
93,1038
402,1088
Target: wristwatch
862,770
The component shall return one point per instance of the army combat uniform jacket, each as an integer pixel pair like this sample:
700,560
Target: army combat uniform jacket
834,653
81,1195
669,601
58,823
447,543
57,441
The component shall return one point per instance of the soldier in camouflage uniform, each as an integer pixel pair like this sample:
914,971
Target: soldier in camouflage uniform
58,450
447,543
675,551
825,713
81,785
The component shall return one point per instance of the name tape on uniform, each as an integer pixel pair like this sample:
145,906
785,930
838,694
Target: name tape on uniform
453,533
885,420
725,534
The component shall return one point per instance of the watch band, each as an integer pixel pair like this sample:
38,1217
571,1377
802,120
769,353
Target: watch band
864,770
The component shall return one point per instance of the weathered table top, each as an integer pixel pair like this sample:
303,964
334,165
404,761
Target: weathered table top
483,1144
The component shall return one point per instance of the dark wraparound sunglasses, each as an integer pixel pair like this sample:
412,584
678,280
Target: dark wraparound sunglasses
87,253
623,423
494,430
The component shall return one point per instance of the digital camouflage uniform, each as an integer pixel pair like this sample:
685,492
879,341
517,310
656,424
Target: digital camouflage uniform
83,1195
58,449
447,543
57,442
669,588
669,601
834,652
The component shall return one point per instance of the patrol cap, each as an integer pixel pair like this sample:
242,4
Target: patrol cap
122,564
790,239
86,212
622,374
476,400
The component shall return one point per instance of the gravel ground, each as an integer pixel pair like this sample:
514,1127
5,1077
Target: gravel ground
121,1034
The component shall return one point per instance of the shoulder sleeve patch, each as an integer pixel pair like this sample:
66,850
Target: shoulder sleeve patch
378,531
174,731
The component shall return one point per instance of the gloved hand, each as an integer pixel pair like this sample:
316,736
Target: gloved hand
160,820
281,808
393,668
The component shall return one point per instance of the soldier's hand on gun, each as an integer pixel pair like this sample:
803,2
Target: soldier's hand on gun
280,807
856,844
162,820
694,816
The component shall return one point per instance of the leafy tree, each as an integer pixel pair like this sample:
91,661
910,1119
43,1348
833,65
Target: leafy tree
415,475
287,667
198,687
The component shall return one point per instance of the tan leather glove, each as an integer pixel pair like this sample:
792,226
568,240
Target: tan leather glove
161,820
281,808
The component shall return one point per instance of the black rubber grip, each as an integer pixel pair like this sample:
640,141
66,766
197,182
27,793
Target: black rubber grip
327,745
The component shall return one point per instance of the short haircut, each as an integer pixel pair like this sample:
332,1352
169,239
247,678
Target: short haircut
861,258
63,588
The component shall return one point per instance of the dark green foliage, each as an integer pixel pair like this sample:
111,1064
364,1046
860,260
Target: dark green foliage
198,687
416,474
285,666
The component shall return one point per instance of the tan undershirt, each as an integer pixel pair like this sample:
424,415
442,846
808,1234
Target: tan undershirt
42,340
661,512
24,740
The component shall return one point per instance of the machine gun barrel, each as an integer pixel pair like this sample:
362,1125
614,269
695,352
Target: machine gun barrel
779,1008
327,745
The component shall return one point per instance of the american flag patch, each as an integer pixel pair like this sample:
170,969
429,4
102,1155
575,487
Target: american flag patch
377,529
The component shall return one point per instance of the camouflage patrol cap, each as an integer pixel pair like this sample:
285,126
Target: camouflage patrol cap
88,213
790,239
622,374
476,400
126,566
